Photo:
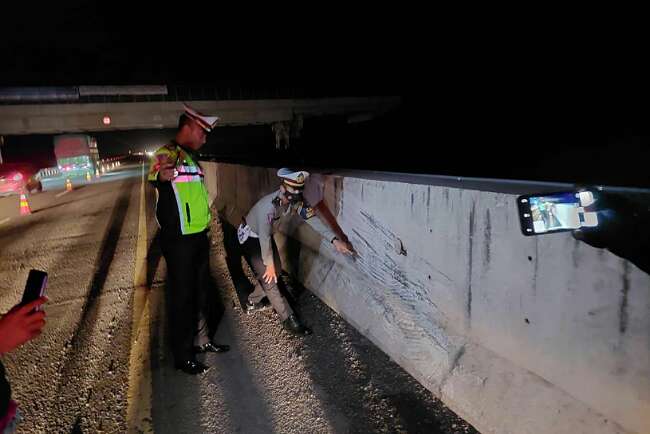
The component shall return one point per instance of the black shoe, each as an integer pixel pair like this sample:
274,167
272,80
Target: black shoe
257,307
192,367
294,326
211,347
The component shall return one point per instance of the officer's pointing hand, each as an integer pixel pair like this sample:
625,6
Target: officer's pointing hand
270,276
166,172
343,247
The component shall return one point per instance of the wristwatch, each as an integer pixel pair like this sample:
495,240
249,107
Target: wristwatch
334,239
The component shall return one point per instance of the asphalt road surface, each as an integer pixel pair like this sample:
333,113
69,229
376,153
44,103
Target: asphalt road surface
103,364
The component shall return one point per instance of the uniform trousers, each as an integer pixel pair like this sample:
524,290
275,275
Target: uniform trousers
194,306
253,252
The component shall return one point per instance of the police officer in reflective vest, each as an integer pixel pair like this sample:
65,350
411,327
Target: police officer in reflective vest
183,213
256,237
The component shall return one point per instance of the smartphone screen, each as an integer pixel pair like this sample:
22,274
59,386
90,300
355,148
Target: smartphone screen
556,212
35,286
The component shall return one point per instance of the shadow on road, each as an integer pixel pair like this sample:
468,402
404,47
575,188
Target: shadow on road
359,381
80,343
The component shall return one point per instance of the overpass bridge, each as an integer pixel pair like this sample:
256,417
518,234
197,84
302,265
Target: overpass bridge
111,108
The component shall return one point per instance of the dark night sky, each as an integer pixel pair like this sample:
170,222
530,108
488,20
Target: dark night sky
489,102
70,42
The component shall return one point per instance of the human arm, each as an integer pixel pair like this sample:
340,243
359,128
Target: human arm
21,324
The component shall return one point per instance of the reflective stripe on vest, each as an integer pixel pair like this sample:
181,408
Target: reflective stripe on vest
189,169
188,178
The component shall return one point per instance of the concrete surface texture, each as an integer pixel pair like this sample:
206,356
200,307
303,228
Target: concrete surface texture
516,334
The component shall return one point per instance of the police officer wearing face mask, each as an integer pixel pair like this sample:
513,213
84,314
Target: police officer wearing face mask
256,236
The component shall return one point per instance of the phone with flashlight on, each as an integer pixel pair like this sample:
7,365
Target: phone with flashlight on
547,213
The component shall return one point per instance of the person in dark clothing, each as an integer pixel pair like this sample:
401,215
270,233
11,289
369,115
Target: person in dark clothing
19,325
183,213
623,229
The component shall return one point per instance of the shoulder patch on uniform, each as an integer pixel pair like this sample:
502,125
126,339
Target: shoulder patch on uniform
306,212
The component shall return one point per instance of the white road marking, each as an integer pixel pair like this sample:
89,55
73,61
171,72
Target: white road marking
138,413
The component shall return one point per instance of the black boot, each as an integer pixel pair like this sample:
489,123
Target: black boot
259,306
192,367
211,347
294,326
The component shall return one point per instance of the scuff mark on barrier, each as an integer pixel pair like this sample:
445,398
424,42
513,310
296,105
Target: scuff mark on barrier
385,270
623,314
437,271
469,265
488,238
364,241
535,266
402,250
574,253
382,229
329,270
459,354
452,366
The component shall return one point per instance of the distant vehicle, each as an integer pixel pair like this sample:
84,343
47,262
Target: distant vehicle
76,155
17,178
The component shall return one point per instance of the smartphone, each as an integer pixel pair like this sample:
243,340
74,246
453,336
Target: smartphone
35,286
556,212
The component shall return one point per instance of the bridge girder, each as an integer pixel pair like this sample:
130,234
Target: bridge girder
89,117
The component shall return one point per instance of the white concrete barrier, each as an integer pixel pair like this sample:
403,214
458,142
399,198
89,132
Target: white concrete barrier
516,334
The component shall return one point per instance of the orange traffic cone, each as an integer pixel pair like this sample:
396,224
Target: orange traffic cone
24,206
68,184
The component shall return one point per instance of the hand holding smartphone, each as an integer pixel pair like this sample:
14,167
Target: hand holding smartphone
616,222
26,320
